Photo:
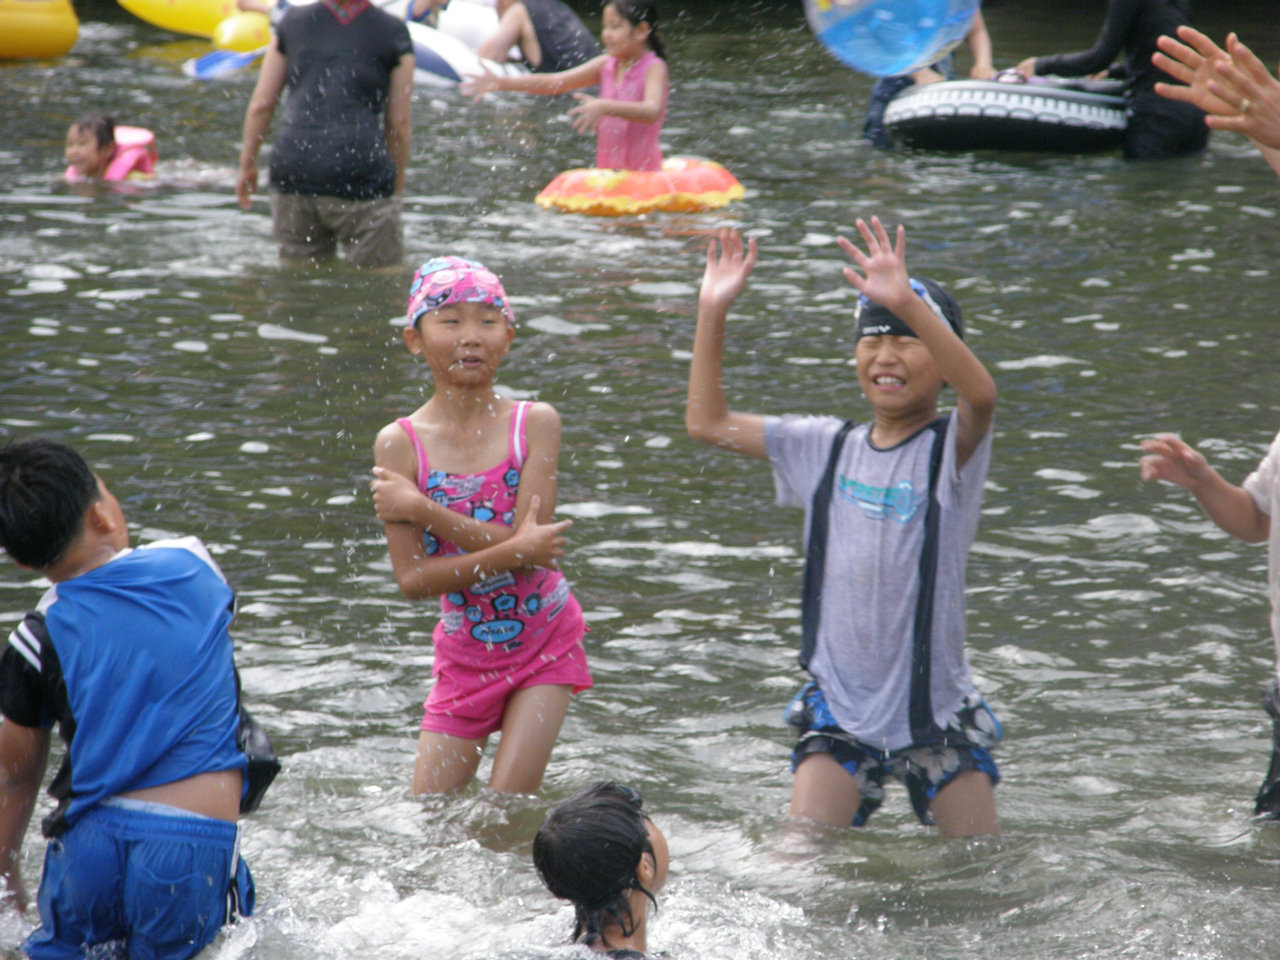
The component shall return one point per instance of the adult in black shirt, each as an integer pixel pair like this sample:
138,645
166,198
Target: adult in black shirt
1157,127
338,166
551,36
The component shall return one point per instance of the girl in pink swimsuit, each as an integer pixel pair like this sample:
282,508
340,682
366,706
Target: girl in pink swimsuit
97,149
632,75
466,486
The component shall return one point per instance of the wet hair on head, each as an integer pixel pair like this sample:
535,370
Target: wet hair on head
588,850
46,489
636,12
101,125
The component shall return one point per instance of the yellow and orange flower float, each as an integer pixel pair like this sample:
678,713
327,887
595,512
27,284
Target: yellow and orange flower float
683,185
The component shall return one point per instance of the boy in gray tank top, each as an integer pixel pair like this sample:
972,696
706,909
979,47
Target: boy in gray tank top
891,509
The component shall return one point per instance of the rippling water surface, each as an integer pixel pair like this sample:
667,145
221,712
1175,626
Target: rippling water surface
1120,636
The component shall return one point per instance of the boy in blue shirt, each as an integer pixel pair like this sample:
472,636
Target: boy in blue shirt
128,652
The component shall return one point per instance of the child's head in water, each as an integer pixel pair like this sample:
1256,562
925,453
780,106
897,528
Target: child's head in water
458,319
631,24
91,140
599,851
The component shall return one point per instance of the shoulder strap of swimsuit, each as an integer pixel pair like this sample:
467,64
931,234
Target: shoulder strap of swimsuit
519,431
815,560
920,708
423,468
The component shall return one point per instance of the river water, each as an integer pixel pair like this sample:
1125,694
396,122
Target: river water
1119,635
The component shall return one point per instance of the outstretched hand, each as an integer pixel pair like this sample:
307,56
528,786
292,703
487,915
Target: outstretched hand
1170,458
728,266
587,114
476,85
885,265
539,544
1231,85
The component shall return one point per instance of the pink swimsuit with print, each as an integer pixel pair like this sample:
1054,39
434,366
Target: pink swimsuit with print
517,629
624,144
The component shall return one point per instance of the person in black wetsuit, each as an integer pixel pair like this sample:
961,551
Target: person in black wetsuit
1158,127
602,853
551,37
338,167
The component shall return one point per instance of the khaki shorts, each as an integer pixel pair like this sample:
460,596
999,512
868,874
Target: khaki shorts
309,227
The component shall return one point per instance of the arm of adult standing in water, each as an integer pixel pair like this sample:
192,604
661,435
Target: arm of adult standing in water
257,120
399,118
1232,508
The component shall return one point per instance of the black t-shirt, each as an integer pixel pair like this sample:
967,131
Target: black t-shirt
1132,27
332,141
565,40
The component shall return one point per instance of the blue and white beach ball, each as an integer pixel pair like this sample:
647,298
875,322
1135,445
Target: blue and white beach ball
888,37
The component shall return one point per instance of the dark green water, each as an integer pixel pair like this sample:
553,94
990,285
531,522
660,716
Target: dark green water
1121,638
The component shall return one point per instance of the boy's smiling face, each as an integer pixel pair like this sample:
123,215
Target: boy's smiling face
898,375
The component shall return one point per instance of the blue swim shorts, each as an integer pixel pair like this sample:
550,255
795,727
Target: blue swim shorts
139,884
924,768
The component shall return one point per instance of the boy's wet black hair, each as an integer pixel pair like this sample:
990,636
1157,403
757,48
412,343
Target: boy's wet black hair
46,489
101,125
636,12
587,851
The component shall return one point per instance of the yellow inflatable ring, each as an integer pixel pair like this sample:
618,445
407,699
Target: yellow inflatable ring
196,17
37,29
684,184
243,32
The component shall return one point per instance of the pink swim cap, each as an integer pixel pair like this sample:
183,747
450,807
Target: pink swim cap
446,280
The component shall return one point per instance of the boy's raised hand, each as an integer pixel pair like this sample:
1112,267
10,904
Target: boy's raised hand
884,265
728,266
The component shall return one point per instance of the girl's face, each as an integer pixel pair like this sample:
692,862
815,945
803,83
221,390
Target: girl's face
463,343
622,38
85,155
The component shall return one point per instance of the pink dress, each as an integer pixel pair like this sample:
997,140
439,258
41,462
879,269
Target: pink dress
624,144
515,630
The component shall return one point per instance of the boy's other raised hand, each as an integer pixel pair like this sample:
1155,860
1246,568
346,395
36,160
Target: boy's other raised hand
884,276
729,264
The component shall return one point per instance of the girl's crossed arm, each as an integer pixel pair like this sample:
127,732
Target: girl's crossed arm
532,541
707,416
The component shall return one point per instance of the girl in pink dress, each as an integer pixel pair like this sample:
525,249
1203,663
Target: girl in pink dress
466,486
627,116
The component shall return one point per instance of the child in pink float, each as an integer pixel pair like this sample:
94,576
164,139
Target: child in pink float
466,486
627,116
97,149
